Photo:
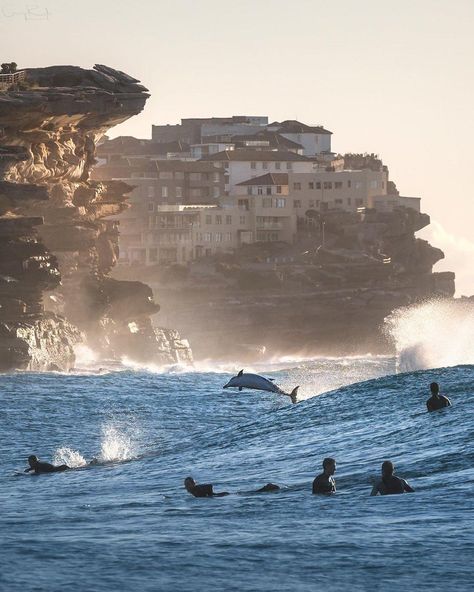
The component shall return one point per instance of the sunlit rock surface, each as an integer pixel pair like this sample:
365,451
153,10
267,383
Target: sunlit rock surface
56,244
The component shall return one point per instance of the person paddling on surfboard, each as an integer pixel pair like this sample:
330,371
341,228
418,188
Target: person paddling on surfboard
43,467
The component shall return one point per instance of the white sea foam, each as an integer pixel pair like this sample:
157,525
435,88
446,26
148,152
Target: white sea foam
117,444
68,456
433,335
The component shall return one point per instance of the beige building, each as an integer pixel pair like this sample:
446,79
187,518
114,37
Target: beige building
329,190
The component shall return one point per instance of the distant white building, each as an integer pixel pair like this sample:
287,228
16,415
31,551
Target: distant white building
314,139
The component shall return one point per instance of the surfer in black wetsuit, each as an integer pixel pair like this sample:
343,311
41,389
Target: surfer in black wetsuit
207,489
436,401
43,467
389,484
325,483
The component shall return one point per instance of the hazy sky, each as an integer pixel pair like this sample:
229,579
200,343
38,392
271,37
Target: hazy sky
395,78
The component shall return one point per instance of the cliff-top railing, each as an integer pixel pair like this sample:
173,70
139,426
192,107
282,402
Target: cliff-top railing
7,80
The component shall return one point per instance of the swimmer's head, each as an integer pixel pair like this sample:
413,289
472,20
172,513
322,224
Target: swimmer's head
329,465
434,388
387,468
32,460
189,483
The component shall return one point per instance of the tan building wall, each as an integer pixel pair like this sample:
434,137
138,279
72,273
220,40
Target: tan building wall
346,190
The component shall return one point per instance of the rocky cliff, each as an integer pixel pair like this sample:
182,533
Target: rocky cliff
57,246
272,299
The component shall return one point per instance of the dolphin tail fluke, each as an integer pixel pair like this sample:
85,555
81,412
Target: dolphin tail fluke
293,394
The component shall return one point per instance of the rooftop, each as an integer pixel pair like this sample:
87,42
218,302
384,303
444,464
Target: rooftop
292,126
254,155
268,179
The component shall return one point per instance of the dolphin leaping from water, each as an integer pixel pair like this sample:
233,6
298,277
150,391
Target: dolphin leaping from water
257,382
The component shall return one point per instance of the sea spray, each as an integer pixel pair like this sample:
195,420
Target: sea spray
68,456
434,334
116,444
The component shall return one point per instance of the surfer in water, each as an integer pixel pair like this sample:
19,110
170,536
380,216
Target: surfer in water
325,483
43,467
207,490
436,401
389,484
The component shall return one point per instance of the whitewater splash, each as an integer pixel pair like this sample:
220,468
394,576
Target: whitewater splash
116,446
435,334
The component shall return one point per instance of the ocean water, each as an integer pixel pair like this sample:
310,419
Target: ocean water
127,523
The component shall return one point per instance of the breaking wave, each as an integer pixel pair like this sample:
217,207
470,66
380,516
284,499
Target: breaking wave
435,334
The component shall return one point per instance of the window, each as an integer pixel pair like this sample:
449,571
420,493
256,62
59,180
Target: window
204,176
243,204
208,219
318,185
215,192
253,165
207,237
228,237
297,186
151,191
199,236
179,192
259,190
242,219
349,183
311,203
218,237
289,166
164,191
151,206
327,185
338,185
280,202
278,188
166,175
267,202
311,185
264,165
297,203
195,176
228,219
269,190
249,189
218,219
278,166
215,177
226,165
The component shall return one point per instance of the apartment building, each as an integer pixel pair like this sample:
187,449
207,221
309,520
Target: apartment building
193,130
130,148
329,190
241,165
314,139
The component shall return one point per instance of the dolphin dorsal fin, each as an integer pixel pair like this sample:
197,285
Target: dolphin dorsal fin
240,373
272,379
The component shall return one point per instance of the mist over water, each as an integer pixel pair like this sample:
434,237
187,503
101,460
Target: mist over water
435,334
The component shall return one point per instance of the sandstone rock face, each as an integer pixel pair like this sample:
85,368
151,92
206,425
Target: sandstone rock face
56,244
